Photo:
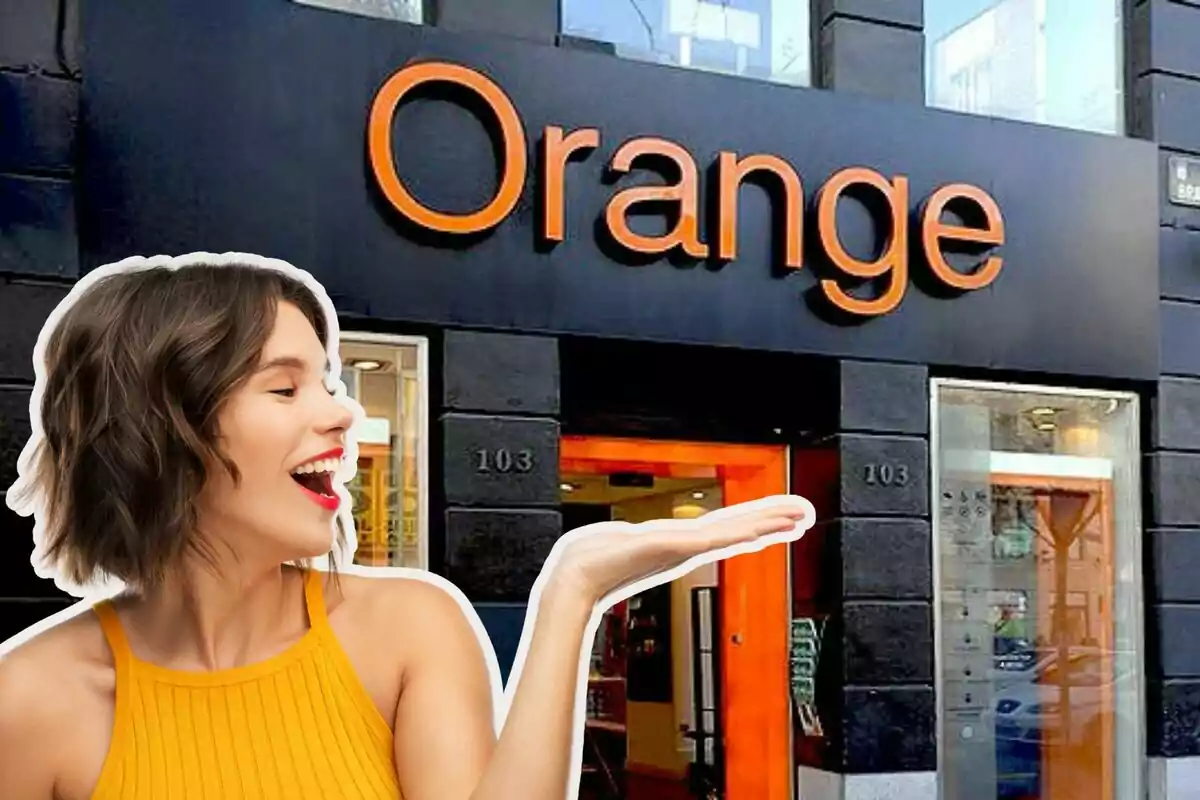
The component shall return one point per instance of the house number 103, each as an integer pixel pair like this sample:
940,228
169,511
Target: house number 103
501,459
886,475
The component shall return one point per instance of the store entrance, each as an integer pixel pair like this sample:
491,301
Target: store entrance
687,694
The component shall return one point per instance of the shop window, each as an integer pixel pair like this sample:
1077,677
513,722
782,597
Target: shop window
1037,593
386,375
764,39
1053,62
399,10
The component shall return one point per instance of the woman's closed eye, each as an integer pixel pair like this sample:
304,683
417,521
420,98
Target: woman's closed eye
284,392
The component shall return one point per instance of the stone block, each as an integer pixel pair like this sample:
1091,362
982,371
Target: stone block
1173,479
883,475
889,729
24,307
1163,38
1179,322
886,558
38,234
1167,111
500,461
533,20
500,373
904,13
40,116
1179,257
874,60
1173,718
1173,641
886,643
878,397
496,555
14,431
28,35
1174,565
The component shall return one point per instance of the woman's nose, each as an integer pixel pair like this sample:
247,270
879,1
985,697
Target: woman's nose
338,416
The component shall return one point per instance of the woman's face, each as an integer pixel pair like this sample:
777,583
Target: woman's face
284,431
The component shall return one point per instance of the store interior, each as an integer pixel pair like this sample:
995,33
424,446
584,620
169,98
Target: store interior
642,707
385,379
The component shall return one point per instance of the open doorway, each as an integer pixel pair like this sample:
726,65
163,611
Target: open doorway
674,666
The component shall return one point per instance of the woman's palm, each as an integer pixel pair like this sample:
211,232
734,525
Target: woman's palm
606,557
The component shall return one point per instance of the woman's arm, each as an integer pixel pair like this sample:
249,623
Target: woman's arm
445,749
27,741
445,743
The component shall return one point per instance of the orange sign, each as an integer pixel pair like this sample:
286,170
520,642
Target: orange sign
558,147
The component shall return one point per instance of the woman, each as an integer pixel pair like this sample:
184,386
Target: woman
192,449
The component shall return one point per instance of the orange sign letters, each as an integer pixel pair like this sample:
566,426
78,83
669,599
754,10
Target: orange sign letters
559,146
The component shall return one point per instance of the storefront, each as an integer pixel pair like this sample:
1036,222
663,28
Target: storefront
577,287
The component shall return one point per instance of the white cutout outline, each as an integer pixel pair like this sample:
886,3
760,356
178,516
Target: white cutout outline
502,694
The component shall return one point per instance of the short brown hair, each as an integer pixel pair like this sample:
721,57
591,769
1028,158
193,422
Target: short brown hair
136,373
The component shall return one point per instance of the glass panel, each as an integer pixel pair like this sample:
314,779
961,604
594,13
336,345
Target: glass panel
400,10
389,510
1038,585
1055,63
764,39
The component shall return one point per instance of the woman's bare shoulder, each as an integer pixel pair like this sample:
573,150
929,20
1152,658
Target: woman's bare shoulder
417,604
47,682
68,655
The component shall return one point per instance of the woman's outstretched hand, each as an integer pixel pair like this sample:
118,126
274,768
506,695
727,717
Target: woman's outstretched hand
598,560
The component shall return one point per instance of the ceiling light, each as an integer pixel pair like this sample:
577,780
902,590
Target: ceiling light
1042,412
567,487
1046,426
367,365
697,495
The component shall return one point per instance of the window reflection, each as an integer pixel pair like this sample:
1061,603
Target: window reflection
1056,62
764,39
386,377
1039,627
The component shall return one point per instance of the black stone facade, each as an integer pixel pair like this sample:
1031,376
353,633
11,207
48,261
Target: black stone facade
1165,72
494,390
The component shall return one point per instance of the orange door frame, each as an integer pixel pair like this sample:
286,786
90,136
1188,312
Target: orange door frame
754,600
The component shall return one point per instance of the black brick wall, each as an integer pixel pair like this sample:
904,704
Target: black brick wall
867,569
39,110
1165,69
498,473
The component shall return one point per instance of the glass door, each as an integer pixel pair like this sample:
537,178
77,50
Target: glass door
1037,535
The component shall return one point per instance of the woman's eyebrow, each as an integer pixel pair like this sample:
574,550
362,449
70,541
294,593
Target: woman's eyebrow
291,362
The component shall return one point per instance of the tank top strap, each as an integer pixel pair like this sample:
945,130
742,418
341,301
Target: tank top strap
114,634
314,599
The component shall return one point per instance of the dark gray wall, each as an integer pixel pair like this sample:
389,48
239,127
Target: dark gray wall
39,106
1165,69
865,570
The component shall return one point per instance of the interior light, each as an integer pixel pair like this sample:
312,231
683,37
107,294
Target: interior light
697,495
567,487
1046,426
1042,412
366,365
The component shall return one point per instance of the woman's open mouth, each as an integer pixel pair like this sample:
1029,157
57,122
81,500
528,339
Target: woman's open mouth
315,479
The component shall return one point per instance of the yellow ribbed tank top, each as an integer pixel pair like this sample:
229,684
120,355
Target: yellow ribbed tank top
294,727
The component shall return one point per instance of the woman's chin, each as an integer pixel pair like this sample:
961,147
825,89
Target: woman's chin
311,547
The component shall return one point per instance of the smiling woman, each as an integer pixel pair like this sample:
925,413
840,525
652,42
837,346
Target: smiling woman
190,445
